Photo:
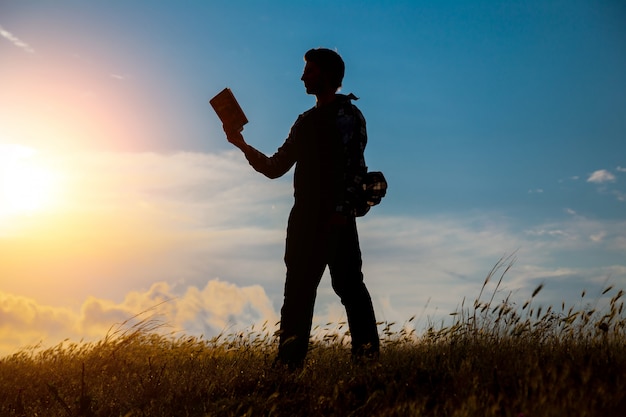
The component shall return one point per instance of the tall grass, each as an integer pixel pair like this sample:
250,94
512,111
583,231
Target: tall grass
493,359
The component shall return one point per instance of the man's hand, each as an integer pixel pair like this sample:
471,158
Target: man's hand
234,136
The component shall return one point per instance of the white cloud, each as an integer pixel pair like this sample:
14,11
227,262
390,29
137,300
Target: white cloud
547,232
620,244
119,77
601,176
208,311
15,40
598,237
168,226
621,169
143,218
580,238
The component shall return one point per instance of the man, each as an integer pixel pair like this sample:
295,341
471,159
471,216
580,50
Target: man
326,144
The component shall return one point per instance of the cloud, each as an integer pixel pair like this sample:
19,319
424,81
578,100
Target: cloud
589,241
601,176
548,232
143,218
15,40
119,77
598,237
208,311
203,235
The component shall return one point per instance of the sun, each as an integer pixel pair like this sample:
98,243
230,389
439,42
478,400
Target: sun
26,184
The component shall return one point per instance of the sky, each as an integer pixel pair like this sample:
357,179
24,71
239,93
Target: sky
500,126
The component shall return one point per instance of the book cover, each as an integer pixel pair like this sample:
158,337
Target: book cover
228,110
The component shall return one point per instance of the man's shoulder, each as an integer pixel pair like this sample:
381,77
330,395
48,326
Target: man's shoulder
302,120
347,109
307,112
346,104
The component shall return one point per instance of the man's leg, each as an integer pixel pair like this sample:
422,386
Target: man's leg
347,280
305,266
297,315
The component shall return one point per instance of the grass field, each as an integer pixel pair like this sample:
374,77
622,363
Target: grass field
494,359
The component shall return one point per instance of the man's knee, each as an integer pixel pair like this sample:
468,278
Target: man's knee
348,289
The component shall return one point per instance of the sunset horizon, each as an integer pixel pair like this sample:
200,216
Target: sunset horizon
501,131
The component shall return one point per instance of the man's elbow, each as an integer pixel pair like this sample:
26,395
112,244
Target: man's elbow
274,175
268,171
273,170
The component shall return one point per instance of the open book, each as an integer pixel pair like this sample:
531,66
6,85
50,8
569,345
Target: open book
228,110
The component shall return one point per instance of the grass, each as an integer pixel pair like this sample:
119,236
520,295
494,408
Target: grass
494,359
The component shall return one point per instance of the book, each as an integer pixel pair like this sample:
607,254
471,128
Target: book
228,110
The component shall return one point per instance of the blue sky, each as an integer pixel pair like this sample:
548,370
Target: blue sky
500,125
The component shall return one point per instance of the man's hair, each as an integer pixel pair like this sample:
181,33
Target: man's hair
330,63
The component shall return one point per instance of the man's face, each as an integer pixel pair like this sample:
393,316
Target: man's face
313,79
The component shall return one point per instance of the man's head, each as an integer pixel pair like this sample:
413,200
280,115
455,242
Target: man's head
330,67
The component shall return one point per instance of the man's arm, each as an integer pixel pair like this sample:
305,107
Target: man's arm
272,167
236,138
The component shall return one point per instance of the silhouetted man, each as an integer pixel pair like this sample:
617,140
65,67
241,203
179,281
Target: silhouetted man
326,144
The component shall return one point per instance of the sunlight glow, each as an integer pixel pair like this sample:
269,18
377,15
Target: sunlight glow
26,184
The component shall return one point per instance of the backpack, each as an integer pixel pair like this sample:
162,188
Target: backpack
374,184
374,189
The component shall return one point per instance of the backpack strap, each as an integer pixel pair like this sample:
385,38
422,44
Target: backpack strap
353,137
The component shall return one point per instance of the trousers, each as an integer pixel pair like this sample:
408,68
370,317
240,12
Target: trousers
310,248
